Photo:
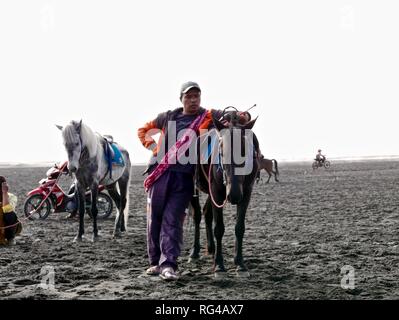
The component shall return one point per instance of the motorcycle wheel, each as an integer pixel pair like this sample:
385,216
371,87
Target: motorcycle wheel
104,206
315,165
32,202
327,164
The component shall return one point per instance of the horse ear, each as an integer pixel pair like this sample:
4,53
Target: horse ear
250,124
59,127
78,125
219,125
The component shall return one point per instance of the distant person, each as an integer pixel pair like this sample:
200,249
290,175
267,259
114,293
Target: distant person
9,224
320,157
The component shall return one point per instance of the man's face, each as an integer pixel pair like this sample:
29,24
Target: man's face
191,101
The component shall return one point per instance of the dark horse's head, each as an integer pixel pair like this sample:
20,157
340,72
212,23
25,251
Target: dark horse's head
236,156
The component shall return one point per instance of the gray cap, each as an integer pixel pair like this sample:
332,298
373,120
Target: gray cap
187,86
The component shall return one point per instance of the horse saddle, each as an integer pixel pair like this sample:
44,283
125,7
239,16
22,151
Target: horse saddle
112,154
117,158
108,138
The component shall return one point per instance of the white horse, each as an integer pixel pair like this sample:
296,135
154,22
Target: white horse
87,159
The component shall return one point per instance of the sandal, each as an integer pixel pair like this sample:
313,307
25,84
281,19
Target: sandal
169,274
153,271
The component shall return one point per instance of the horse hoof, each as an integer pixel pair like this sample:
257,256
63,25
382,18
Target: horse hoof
78,239
95,238
193,259
242,274
219,272
206,258
220,275
117,235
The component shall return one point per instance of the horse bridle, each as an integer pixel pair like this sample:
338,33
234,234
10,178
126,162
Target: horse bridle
221,161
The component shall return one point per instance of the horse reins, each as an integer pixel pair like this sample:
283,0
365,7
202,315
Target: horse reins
209,182
210,191
210,166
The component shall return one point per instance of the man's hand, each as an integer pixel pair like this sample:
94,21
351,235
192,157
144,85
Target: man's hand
244,117
153,147
4,190
4,187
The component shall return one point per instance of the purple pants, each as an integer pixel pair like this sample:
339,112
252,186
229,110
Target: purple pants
168,200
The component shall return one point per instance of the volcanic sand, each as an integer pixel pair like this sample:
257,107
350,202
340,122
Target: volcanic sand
299,235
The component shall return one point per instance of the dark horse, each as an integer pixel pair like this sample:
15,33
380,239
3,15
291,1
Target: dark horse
87,159
268,166
226,181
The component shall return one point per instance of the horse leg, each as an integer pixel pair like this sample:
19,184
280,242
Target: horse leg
194,254
117,199
239,232
276,171
82,208
218,232
121,223
94,210
208,224
270,175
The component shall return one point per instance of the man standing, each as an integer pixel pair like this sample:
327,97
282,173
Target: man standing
170,184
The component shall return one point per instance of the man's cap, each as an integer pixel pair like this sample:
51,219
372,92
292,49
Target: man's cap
187,86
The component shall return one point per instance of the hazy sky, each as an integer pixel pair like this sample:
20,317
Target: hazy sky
324,74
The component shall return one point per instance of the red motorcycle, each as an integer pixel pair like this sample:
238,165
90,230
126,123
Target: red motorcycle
49,196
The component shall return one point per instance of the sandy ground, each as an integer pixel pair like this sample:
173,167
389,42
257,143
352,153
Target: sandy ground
299,234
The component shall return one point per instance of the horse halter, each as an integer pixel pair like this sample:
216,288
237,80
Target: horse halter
83,149
224,113
235,119
220,153
232,120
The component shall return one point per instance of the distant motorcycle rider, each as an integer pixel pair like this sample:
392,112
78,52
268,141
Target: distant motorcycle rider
320,157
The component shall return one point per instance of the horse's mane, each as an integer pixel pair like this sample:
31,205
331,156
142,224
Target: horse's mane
89,139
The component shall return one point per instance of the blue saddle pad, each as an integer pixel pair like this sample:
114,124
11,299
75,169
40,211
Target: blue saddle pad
208,145
118,158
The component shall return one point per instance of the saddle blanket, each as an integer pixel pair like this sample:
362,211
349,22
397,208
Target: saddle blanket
208,143
117,158
113,155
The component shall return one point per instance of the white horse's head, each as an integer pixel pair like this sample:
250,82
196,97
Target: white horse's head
77,136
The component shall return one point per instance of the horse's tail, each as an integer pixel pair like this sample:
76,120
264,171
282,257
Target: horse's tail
276,166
